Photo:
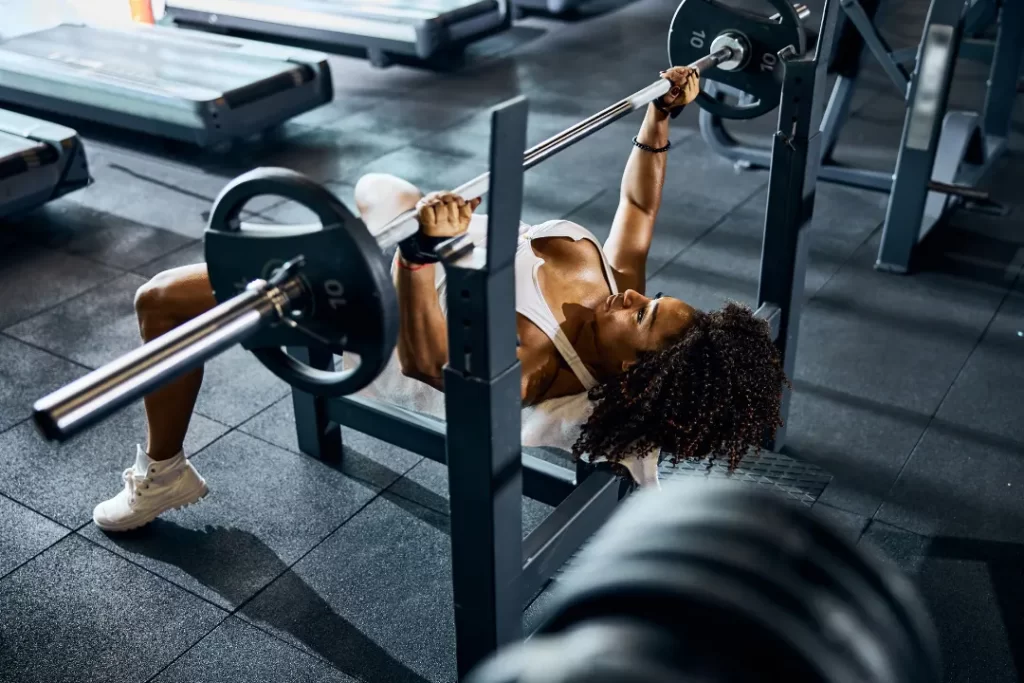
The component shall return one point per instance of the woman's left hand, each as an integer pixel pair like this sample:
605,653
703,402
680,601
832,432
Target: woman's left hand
685,87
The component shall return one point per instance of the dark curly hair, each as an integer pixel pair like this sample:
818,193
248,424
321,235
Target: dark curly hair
713,392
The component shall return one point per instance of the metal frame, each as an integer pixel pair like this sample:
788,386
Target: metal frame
495,571
944,163
959,152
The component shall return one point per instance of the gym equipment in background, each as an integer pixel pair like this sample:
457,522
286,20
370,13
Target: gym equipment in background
314,290
423,29
186,85
39,161
555,7
713,582
944,155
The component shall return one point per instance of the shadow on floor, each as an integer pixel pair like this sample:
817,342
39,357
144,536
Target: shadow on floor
330,636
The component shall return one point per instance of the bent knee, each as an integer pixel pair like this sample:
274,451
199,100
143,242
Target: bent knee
380,197
174,296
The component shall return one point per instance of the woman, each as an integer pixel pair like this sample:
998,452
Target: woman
659,372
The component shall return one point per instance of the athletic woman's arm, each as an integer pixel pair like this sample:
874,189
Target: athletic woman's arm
640,193
423,331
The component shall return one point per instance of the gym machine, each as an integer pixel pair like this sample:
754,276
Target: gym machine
944,155
296,296
185,85
39,161
425,30
724,584
549,6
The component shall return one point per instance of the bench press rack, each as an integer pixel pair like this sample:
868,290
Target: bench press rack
303,305
495,571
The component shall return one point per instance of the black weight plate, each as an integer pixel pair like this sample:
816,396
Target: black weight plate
763,520
841,569
351,304
696,24
683,598
848,616
619,651
804,593
888,592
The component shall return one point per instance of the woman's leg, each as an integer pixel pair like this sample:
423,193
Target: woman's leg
162,478
381,197
165,302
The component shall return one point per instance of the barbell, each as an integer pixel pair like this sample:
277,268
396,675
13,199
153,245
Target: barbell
717,582
335,292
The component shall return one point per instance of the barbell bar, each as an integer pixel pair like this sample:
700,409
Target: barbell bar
92,398
404,225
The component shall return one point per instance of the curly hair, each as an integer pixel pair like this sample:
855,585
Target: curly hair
713,392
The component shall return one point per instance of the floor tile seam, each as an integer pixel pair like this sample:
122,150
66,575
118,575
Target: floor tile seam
158,157
41,514
844,262
315,459
214,441
313,655
137,269
938,406
68,251
67,532
274,402
119,272
707,231
446,513
326,536
171,187
19,422
78,533
188,649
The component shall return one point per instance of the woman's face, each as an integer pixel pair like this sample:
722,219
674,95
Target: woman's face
629,322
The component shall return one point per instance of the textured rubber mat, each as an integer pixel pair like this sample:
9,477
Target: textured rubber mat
800,480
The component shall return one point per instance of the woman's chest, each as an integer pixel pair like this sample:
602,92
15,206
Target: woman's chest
572,275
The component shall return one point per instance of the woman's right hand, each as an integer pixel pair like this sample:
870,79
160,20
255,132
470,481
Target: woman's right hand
445,214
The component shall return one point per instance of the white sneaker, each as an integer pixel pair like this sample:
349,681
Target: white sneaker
150,489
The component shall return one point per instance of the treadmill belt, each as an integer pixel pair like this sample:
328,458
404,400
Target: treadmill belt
161,64
300,11
163,81
420,28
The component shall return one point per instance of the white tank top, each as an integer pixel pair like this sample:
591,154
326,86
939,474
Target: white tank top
394,387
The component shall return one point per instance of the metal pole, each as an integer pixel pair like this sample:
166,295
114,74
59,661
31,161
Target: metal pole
86,401
405,225
482,405
796,158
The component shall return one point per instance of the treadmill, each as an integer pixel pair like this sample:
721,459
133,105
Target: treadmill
419,29
39,161
550,6
184,85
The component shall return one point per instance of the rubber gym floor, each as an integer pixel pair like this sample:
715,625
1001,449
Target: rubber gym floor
906,427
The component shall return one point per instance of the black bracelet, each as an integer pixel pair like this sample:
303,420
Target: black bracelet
418,249
648,148
671,113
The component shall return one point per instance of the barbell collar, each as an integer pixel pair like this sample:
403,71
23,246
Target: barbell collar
405,225
88,400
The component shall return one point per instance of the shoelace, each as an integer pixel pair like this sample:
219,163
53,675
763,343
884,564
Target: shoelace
134,481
